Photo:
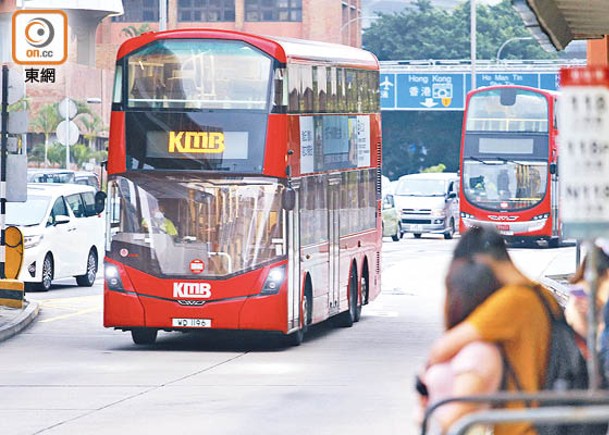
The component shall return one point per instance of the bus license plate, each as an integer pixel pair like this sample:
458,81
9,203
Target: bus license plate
191,323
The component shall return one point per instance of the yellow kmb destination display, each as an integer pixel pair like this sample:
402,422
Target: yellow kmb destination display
195,142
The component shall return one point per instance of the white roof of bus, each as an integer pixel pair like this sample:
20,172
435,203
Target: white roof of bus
304,49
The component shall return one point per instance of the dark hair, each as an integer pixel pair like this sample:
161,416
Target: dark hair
468,284
602,265
482,240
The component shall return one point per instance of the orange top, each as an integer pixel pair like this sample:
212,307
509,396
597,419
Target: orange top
515,318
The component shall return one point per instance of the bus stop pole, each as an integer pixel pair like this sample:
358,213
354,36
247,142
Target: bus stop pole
591,277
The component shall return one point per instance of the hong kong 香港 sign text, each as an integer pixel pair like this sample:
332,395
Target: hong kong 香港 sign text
447,91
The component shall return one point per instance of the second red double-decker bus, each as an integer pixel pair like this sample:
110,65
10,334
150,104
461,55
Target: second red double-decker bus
244,184
508,163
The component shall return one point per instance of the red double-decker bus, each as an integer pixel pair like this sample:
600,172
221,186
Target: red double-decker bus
509,161
243,184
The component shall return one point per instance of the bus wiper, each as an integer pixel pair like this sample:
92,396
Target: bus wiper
503,160
484,162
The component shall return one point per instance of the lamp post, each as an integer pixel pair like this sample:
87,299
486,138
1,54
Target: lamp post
355,19
472,39
517,38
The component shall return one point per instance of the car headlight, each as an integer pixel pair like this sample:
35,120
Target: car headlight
439,212
31,241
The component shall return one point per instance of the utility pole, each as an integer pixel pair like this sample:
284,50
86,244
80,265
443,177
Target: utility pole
3,157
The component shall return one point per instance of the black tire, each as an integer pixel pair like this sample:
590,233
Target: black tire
554,242
398,233
47,274
296,338
450,232
144,335
417,235
347,318
88,279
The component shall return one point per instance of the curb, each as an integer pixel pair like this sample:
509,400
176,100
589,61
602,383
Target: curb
21,321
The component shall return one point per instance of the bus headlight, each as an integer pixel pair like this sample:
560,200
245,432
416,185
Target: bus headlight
112,276
274,281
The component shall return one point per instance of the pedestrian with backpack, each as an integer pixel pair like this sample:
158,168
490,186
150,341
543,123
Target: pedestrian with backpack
515,317
475,369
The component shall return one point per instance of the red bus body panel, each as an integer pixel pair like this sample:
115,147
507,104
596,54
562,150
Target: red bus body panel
235,303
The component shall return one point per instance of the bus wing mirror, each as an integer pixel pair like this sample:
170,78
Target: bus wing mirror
553,168
288,199
508,97
100,201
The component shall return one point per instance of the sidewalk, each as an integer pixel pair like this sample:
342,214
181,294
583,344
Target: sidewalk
14,320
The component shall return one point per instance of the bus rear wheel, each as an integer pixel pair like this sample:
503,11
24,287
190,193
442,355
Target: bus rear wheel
144,335
347,318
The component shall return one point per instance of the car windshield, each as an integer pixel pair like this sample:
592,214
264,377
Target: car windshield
420,187
31,212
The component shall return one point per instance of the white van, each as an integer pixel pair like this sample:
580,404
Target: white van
428,203
63,233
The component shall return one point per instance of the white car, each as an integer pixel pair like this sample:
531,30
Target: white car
63,231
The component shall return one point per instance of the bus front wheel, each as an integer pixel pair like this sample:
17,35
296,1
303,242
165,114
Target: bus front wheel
144,335
296,338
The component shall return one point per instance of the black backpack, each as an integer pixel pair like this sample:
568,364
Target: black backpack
566,370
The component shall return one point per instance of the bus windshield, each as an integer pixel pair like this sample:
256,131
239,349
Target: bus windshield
198,74
504,185
163,224
507,110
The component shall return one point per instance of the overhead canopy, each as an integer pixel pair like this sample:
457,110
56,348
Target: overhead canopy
555,23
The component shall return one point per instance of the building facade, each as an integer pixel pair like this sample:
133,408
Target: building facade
337,21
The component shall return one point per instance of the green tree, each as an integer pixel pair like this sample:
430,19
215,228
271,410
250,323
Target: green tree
80,154
91,126
413,141
423,32
57,154
46,123
36,154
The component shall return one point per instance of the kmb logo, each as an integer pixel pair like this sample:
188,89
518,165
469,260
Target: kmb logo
40,37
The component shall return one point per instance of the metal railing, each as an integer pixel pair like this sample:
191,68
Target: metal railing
584,406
